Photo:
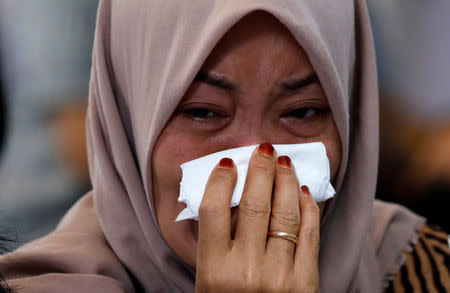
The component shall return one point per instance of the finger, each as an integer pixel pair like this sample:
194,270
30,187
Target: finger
254,208
307,252
214,212
285,216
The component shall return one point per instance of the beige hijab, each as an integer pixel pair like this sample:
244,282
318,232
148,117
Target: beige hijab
146,54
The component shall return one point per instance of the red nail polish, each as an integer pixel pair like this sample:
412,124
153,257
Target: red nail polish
305,190
226,163
266,149
284,161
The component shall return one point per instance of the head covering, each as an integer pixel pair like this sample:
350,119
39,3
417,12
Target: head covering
146,54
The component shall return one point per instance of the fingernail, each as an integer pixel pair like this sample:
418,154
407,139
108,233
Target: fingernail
226,163
284,161
305,190
266,149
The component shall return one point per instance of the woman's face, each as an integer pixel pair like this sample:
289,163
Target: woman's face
256,86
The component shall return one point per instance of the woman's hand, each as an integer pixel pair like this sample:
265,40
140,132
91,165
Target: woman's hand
252,261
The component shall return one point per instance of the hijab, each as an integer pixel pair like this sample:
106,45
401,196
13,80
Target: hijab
146,54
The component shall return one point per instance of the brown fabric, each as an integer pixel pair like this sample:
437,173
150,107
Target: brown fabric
73,258
146,54
392,235
426,267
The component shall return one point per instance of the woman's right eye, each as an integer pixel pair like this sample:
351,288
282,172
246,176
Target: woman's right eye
203,116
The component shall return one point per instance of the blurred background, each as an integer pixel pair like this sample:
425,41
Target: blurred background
412,40
45,58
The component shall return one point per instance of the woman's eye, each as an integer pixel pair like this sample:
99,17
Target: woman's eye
301,113
199,113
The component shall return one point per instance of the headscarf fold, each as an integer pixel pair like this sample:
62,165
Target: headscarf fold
146,54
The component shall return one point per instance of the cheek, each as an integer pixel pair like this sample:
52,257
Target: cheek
169,153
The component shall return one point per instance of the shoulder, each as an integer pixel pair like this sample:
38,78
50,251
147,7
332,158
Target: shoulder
426,267
76,254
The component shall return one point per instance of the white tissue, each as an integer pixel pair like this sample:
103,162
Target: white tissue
310,161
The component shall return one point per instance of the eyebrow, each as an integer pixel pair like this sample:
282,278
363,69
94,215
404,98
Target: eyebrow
292,85
295,85
220,82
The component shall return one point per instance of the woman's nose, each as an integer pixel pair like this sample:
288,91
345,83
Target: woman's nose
252,135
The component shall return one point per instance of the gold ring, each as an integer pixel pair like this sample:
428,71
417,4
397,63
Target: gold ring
284,235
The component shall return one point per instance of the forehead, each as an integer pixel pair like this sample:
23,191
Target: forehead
259,45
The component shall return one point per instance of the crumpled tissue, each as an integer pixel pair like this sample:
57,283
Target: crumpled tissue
309,159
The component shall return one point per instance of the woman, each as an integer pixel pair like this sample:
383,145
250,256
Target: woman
175,81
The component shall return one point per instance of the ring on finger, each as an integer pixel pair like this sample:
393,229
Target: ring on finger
284,235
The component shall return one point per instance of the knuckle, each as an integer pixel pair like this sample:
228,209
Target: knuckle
312,235
286,218
210,209
249,281
285,175
220,174
266,168
255,209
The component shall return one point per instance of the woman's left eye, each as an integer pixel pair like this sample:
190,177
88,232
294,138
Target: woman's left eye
302,113
199,113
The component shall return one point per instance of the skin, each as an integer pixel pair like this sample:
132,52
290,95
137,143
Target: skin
249,98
